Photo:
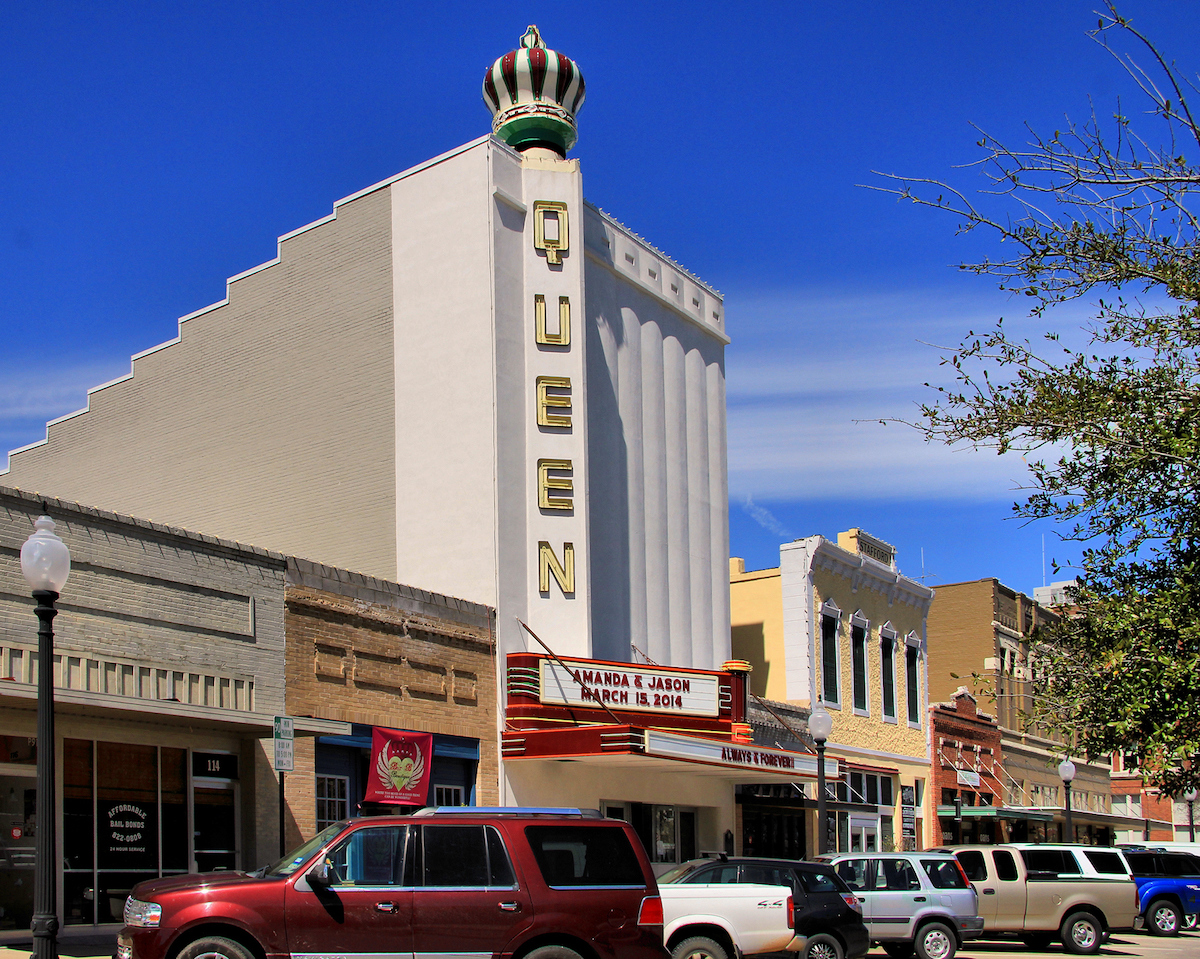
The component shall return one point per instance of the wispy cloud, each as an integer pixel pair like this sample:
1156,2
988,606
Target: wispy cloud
815,375
765,518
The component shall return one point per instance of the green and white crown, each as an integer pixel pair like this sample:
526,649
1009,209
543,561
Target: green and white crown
534,94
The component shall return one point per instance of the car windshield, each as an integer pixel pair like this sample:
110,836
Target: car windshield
300,855
679,872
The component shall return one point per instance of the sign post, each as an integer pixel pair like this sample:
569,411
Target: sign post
285,761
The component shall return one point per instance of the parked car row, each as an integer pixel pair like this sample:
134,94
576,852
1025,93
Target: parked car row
567,884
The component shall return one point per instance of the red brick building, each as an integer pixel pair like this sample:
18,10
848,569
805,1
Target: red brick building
967,765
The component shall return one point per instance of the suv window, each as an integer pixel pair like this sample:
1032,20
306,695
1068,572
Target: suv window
1058,861
770,875
896,874
854,873
465,856
1179,865
369,857
1142,863
974,864
943,873
585,856
726,873
818,881
1006,866
1106,863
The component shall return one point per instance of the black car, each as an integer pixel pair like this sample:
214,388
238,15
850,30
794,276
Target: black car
827,912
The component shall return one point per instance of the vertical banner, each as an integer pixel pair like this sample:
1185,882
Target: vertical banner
400,767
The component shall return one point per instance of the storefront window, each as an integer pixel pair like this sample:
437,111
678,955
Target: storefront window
18,801
79,904
664,834
174,810
126,823
333,803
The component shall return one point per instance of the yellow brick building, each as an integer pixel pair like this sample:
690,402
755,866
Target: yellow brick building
840,624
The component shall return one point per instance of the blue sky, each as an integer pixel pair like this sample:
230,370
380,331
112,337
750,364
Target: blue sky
153,150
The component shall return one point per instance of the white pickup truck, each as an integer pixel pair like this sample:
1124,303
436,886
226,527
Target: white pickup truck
727,920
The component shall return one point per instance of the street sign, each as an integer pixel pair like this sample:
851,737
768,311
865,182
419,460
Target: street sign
285,758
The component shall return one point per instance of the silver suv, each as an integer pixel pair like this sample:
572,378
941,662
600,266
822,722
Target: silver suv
912,901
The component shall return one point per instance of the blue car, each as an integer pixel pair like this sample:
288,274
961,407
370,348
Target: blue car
1168,888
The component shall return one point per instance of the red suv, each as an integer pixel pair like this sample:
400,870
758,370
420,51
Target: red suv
472,883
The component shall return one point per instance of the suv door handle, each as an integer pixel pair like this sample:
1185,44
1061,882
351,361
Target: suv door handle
918,898
386,907
510,907
989,892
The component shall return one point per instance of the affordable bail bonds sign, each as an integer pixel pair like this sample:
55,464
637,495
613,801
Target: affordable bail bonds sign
400,766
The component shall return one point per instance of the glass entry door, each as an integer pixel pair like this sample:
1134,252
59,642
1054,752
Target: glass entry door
214,811
864,835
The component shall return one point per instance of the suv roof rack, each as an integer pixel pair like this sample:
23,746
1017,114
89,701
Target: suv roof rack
509,811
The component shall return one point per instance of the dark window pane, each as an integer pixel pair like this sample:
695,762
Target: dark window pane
853,872
886,796
1180,866
585,855
499,868
829,676
897,874
887,655
174,809
974,864
819,882
1107,863
455,856
1142,863
858,651
943,874
1006,866
912,687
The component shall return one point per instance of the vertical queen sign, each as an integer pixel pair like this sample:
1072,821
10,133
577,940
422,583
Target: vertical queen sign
400,767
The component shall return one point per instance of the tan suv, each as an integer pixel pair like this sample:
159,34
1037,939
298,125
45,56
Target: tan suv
1041,892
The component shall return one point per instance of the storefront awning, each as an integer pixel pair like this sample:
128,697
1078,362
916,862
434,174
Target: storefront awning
162,712
646,748
997,812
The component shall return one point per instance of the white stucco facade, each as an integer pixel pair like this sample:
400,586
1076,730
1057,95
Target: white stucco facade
386,419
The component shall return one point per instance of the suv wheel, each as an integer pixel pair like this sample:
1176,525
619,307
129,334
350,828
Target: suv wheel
214,947
1081,933
936,940
823,946
1164,918
695,947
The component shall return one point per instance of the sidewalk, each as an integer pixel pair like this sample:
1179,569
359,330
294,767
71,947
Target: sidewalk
93,945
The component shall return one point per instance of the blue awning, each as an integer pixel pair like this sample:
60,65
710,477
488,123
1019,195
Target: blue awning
441,746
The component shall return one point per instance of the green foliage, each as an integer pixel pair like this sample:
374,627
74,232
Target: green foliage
1111,431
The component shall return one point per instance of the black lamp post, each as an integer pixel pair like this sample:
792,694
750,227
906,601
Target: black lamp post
820,725
1066,769
46,564
1190,796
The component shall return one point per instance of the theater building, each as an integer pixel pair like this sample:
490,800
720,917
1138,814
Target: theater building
518,400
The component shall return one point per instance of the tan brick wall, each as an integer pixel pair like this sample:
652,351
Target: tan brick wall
961,637
372,662
262,407
756,616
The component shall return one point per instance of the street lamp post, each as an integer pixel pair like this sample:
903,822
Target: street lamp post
1066,770
46,564
1190,796
820,724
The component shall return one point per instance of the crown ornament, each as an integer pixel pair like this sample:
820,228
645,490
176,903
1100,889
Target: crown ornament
534,94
